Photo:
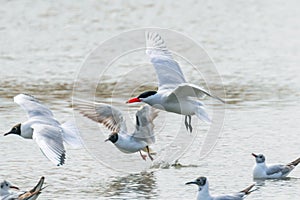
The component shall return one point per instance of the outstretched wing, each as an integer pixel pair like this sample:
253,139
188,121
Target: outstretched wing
33,193
167,69
105,114
32,106
49,139
191,90
144,124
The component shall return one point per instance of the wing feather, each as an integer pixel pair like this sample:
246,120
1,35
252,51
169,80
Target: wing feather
167,69
49,139
105,114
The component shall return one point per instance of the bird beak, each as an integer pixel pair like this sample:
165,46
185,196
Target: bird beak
8,133
14,187
253,154
192,182
135,99
106,140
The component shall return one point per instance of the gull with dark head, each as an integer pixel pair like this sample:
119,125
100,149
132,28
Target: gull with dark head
113,119
7,194
174,93
203,191
45,130
263,171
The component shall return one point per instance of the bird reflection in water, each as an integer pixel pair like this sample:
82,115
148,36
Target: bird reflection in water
141,185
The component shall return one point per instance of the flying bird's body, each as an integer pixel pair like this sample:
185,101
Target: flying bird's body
274,171
45,130
113,119
174,94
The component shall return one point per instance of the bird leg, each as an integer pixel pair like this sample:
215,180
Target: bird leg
143,156
188,125
148,151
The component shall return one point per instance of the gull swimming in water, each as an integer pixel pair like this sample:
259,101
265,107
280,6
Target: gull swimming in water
113,119
174,93
203,191
45,130
7,194
263,171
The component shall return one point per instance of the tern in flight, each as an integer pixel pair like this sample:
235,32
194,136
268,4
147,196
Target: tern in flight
174,93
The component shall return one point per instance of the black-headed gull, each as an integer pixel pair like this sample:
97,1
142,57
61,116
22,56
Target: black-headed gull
174,94
113,119
7,194
42,127
263,171
203,191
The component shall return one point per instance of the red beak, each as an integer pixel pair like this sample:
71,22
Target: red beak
135,99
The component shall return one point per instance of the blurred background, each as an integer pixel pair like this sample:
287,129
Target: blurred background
255,47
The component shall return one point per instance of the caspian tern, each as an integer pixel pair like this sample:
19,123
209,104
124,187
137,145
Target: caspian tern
113,119
203,191
174,94
47,132
275,171
7,194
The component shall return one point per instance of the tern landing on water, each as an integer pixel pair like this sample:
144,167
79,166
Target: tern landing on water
113,119
203,191
7,194
42,127
263,171
174,93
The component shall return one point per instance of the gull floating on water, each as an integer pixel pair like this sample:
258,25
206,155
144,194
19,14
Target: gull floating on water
263,171
203,191
174,94
7,194
47,132
113,119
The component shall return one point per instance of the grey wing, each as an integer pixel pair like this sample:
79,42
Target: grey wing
49,139
228,197
274,169
190,90
32,106
167,69
144,124
105,114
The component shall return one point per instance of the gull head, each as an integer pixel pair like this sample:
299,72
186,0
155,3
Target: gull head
259,158
5,186
113,138
15,130
201,182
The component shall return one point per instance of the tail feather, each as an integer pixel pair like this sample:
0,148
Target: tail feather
151,151
202,114
294,163
71,135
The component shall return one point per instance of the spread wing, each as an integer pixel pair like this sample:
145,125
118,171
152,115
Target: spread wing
167,69
191,90
32,106
105,114
34,193
144,124
49,139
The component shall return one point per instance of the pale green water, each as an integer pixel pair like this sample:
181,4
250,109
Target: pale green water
255,46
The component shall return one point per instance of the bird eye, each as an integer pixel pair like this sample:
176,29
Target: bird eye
1,186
